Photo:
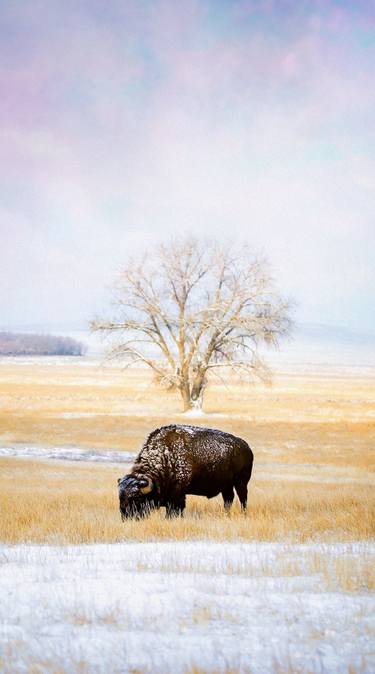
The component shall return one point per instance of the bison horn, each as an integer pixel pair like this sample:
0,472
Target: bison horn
146,485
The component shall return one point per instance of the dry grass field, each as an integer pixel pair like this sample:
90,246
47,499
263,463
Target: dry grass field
313,436
304,417
286,589
77,503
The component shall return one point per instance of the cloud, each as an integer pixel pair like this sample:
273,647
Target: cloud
126,121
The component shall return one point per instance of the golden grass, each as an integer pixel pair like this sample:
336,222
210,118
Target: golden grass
313,437
52,502
302,418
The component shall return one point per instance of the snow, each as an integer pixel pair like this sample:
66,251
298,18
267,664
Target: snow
68,454
194,412
165,607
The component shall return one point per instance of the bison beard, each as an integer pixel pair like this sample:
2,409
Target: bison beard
177,460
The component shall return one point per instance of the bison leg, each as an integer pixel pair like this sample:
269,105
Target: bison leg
241,489
240,482
228,496
176,508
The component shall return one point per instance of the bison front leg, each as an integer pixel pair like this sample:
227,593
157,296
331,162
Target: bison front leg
176,507
228,496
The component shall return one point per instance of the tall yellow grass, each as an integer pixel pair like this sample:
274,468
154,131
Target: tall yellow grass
306,429
56,503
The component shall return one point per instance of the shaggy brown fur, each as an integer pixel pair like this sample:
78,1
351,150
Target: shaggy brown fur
177,460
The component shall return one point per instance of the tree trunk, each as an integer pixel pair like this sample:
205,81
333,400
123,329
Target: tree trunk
190,401
185,395
197,401
192,396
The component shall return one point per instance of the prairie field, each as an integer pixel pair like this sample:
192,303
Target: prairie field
286,589
66,502
313,437
305,417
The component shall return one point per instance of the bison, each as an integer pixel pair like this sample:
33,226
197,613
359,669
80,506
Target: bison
177,460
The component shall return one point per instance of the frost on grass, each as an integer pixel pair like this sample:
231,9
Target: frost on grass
68,454
170,607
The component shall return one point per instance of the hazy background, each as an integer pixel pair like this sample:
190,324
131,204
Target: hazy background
124,121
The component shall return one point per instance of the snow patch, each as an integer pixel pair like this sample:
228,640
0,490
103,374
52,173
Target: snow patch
194,413
68,454
166,607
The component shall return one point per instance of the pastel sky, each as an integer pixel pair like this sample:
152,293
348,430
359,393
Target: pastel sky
126,121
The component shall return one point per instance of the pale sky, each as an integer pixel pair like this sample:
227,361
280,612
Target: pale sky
126,121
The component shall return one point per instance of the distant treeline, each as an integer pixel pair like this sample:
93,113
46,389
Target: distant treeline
14,344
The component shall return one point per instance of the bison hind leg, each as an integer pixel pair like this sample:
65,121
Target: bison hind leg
228,496
241,489
240,484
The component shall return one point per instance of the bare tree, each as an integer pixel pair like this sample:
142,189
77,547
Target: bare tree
191,307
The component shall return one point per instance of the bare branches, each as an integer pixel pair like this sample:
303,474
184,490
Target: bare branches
191,307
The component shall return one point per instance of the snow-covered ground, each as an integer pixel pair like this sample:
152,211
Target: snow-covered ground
166,607
68,454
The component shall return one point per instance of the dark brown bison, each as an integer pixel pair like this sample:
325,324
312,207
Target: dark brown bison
177,460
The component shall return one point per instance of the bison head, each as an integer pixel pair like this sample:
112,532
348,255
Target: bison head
135,494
